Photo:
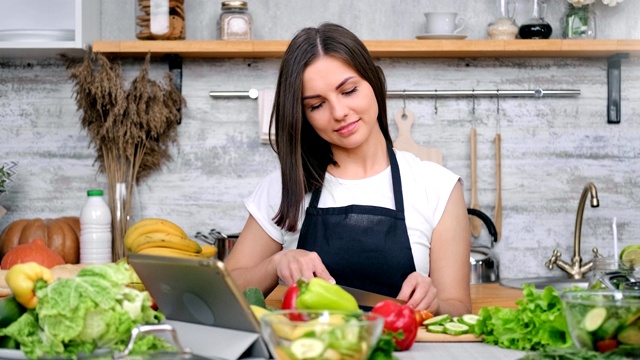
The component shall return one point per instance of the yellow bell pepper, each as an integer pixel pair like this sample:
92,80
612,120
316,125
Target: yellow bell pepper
25,279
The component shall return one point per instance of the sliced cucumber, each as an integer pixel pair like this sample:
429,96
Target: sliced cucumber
436,329
440,319
454,328
455,319
630,335
608,329
594,319
307,348
469,319
584,339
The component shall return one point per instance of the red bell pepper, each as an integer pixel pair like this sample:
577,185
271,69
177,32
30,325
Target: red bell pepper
400,321
289,301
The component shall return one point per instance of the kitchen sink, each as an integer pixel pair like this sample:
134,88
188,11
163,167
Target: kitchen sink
558,283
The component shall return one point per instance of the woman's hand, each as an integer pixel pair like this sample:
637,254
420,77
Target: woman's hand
300,264
418,291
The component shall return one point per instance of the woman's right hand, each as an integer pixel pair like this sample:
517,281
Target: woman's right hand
293,265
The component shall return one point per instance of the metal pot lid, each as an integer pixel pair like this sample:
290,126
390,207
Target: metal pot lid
478,254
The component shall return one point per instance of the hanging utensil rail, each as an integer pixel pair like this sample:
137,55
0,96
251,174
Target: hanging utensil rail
537,93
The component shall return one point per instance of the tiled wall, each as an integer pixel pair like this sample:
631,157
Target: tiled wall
550,147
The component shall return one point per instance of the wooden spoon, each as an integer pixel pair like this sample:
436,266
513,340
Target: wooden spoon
475,222
497,218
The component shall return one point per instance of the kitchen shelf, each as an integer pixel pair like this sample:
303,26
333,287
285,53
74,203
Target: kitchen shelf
378,48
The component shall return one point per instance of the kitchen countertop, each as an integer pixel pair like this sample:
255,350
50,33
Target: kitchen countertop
491,294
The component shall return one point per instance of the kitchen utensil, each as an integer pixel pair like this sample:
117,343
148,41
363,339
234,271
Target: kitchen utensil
404,119
498,209
223,242
484,264
475,222
367,298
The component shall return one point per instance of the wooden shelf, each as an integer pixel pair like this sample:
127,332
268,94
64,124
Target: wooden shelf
378,48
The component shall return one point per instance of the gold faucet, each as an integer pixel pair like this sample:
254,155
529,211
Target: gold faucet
576,269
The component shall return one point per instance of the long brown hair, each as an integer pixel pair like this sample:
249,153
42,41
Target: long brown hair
304,156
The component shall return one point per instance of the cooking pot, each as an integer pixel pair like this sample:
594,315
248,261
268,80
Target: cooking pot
224,243
484,265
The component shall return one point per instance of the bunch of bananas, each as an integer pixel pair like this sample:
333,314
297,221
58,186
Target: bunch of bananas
162,237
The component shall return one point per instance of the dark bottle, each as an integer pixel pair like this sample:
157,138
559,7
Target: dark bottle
535,31
536,27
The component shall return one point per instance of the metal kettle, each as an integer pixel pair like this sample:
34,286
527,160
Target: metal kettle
484,264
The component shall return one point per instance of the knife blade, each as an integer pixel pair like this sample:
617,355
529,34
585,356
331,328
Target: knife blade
367,298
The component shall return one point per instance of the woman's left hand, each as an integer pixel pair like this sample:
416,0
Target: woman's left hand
418,291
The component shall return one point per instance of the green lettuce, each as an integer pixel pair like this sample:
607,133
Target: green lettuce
93,310
537,323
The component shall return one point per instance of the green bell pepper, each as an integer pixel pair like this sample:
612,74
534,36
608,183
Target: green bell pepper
319,294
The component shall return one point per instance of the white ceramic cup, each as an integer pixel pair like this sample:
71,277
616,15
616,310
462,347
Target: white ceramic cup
443,22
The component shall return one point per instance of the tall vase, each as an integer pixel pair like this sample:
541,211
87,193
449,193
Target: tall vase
124,214
579,22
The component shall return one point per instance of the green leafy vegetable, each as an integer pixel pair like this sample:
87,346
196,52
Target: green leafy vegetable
93,310
537,323
384,348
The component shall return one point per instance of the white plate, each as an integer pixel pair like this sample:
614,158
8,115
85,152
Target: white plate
37,35
441,36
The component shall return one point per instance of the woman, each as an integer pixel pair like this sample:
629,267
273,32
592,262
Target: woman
345,206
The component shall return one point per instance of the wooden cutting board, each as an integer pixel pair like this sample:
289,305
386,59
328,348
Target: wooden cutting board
405,142
424,336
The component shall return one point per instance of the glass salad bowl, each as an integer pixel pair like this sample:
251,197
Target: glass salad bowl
604,320
321,334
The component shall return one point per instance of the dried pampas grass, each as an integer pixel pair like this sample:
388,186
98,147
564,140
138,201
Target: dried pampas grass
132,129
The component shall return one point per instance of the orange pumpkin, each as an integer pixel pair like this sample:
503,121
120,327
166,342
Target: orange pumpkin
62,235
36,251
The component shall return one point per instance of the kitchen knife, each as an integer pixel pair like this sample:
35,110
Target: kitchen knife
367,298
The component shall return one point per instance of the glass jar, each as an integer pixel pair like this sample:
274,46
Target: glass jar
504,27
160,20
579,22
536,27
235,22
608,274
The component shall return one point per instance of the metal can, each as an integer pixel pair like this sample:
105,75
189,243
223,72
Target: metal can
235,22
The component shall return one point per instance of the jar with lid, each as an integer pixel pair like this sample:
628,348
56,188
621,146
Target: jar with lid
160,20
609,274
235,22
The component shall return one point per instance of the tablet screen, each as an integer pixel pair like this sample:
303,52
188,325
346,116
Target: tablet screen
195,291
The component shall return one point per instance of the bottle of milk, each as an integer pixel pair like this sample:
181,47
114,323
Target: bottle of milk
95,230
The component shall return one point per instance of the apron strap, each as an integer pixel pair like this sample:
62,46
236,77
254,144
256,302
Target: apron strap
395,181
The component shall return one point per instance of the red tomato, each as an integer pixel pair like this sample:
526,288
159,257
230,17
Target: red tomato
607,345
422,315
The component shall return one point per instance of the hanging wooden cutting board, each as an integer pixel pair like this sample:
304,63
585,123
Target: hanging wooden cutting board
404,119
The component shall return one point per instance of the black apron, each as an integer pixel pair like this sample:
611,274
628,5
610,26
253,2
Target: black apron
366,247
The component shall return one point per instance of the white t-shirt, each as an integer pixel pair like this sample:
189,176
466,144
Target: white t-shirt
426,187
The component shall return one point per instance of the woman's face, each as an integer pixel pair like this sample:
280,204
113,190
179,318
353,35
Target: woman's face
339,104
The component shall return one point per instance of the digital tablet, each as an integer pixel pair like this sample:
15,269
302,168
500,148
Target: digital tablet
195,291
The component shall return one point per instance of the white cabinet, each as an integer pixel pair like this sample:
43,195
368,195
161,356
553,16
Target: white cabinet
44,28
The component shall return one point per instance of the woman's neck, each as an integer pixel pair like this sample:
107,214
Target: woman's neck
362,162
